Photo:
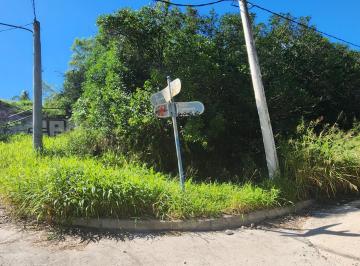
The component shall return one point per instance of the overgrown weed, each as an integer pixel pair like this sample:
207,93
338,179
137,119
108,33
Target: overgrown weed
57,185
322,164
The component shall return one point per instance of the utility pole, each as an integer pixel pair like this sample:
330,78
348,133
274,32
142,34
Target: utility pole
265,124
37,89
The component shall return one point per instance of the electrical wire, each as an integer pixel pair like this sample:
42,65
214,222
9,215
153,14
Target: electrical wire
34,11
304,25
191,5
252,5
15,27
8,29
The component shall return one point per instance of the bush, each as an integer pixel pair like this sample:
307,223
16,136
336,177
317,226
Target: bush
61,186
113,75
81,142
323,164
4,137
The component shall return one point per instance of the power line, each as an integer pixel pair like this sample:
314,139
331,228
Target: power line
304,25
191,5
34,11
267,10
15,27
8,29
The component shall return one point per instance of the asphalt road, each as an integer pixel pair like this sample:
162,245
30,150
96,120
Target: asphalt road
326,236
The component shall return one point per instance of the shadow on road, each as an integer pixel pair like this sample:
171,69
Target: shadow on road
323,230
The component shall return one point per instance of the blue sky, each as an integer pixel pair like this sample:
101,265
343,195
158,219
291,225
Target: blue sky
64,20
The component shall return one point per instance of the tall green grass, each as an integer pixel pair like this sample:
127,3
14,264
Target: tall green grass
325,163
67,180
58,185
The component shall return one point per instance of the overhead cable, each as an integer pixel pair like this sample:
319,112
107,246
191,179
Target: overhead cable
252,5
191,5
34,11
304,25
15,27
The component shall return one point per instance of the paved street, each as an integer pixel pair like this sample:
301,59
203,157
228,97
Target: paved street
328,236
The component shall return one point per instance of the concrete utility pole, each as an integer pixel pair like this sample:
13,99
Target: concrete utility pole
37,89
265,124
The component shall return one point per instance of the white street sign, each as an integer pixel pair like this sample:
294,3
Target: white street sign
180,109
163,96
164,107
189,108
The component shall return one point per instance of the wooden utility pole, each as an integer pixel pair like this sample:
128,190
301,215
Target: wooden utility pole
37,89
265,124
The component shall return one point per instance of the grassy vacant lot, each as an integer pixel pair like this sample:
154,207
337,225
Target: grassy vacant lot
67,181
54,187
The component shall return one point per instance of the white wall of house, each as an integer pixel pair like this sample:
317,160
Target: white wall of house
51,127
56,127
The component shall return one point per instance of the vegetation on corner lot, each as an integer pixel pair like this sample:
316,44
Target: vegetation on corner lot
113,74
107,89
65,181
55,187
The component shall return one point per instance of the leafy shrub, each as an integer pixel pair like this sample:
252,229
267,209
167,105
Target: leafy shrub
113,75
4,137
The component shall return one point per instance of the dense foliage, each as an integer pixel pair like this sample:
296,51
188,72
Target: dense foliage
114,74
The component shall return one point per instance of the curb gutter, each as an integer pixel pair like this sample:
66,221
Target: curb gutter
213,224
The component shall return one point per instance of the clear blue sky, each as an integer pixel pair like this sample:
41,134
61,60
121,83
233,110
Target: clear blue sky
64,20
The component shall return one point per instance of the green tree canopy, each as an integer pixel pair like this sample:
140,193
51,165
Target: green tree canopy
114,74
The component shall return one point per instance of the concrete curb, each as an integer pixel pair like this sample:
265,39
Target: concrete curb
213,224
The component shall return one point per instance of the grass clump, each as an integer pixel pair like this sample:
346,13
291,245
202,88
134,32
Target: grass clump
323,164
57,186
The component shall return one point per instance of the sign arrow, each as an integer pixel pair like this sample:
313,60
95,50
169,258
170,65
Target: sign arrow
189,108
163,96
179,109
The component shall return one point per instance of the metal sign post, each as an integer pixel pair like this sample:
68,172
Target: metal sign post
164,107
176,136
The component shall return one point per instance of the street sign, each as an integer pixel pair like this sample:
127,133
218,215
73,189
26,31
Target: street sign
164,107
179,109
162,110
189,108
164,96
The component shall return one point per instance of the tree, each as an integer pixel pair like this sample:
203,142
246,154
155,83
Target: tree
24,96
115,73
75,76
